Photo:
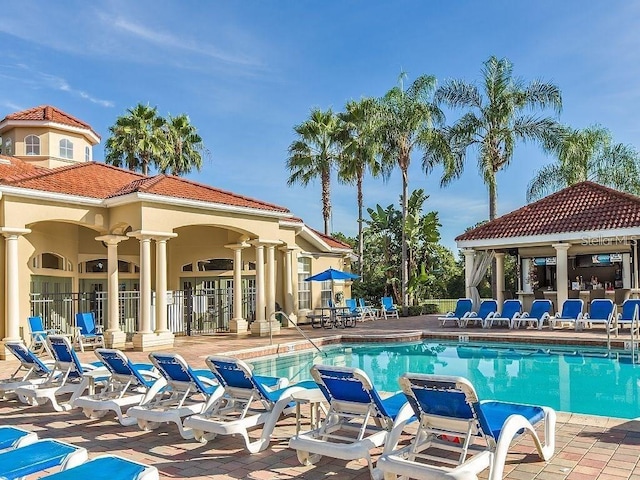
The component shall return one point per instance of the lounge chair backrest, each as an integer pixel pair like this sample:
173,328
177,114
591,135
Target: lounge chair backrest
539,308
346,384
601,309
86,323
119,364
351,304
433,395
64,355
487,307
27,358
36,324
572,308
510,308
177,372
629,307
236,374
361,303
463,306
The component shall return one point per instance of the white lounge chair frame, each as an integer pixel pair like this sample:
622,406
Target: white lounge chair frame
123,389
410,461
352,429
32,371
240,409
67,377
174,398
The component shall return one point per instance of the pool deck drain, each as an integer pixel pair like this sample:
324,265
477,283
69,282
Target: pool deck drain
587,447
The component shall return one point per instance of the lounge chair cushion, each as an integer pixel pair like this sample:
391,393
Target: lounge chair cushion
108,467
34,458
10,436
492,415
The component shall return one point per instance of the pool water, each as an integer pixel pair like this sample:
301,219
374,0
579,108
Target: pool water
573,380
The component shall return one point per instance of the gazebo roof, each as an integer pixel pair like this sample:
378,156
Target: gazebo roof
585,207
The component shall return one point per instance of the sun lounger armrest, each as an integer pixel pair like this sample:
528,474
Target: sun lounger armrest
272,382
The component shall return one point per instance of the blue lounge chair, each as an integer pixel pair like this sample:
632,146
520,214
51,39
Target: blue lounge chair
540,312
67,377
88,333
108,467
39,456
464,307
487,309
629,316
511,309
571,313
183,392
127,386
358,419
350,316
32,370
39,335
14,437
388,308
247,402
451,418
601,311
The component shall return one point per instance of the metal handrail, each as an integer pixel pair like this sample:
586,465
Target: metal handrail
273,315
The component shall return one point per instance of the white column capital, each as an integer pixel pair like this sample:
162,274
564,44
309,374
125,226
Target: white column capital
467,252
13,231
112,239
561,246
265,243
237,246
151,235
499,254
289,248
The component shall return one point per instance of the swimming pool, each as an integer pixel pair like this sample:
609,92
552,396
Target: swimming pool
573,380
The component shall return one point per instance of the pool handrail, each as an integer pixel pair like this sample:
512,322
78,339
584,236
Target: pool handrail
273,314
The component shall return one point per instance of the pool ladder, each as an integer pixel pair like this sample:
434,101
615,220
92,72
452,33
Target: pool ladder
635,337
273,315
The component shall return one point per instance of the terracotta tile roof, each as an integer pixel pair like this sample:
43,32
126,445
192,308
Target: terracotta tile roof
582,207
332,242
50,114
170,186
87,179
99,180
11,166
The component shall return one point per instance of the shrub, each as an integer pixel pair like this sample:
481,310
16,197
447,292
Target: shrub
430,308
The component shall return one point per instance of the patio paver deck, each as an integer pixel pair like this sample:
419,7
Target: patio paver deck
587,446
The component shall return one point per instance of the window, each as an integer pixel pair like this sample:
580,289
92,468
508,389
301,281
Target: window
215,264
87,154
32,145
325,294
52,261
7,147
304,288
66,148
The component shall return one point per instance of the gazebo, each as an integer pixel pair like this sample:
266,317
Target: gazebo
578,242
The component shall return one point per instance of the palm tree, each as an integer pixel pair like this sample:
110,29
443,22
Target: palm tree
588,154
497,118
313,155
186,147
408,117
137,139
359,154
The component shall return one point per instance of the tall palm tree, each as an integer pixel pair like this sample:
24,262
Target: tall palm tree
360,150
137,139
408,117
588,154
498,116
186,146
313,154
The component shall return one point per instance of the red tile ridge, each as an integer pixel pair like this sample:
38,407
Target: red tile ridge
43,172
52,114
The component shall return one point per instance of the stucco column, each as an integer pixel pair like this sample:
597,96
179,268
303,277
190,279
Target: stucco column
238,324
271,280
145,338
562,273
12,282
288,284
469,255
162,329
114,337
499,278
263,325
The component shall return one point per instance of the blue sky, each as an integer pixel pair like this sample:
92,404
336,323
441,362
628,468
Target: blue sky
247,72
